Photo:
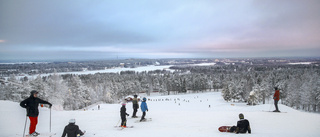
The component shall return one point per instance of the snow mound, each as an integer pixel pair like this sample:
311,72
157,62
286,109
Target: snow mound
189,115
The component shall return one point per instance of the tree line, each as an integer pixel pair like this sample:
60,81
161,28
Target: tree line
299,85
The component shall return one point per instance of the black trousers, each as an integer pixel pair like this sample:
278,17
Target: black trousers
276,104
123,121
143,115
134,112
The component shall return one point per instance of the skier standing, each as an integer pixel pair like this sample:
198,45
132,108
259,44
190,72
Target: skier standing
31,104
243,125
123,114
144,108
72,130
276,98
135,105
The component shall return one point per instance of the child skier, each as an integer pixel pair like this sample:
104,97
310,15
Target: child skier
135,106
31,104
72,130
144,108
123,114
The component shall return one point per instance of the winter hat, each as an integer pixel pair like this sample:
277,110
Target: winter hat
72,121
135,96
241,116
33,92
123,104
275,88
144,99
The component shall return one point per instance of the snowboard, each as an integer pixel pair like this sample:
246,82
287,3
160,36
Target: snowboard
224,128
145,120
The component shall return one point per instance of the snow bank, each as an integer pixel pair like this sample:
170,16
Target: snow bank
190,115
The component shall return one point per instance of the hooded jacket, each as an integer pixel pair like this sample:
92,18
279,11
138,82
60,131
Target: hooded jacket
123,112
31,104
72,130
144,106
276,95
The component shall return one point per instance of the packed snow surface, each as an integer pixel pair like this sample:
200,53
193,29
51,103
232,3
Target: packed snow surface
187,115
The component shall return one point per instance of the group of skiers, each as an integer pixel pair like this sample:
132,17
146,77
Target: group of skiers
71,130
135,105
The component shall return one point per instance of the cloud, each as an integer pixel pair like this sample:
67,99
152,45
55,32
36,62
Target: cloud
185,28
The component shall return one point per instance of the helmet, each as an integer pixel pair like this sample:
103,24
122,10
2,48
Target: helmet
72,121
241,116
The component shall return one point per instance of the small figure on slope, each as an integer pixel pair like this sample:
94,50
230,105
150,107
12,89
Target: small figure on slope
31,104
243,125
72,130
144,108
135,105
276,98
123,115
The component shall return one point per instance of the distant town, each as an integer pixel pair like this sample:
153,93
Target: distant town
32,68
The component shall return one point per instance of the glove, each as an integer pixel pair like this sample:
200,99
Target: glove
147,110
50,105
128,115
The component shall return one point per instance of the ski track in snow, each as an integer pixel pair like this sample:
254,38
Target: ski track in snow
169,119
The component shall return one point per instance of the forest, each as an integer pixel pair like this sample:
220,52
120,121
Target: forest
299,85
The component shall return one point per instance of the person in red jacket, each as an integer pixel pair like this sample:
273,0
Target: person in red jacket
276,98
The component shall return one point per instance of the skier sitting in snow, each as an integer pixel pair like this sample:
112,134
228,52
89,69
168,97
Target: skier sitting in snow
72,130
243,125
31,104
144,108
123,114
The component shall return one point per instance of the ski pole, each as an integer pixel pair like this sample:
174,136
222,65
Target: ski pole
270,107
118,123
25,124
50,119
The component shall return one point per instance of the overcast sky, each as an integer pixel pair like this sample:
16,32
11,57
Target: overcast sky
104,29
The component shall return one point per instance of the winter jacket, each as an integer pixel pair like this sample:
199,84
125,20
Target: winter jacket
135,103
123,112
276,95
72,130
31,104
243,126
144,106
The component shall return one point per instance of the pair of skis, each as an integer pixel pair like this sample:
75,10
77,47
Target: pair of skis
137,121
40,135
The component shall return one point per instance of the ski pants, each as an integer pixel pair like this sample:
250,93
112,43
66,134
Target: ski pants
134,112
123,121
33,124
143,115
276,104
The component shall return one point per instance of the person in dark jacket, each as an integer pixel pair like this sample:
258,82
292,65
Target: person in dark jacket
31,104
276,98
72,130
135,105
123,115
243,126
